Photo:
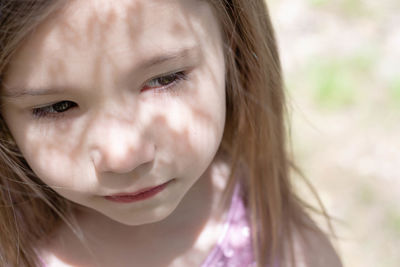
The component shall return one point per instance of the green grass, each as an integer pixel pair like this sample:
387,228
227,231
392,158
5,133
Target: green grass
339,82
394,91
332,84
393,221
351,8
366,195
318,3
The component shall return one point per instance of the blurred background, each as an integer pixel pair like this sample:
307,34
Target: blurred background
341,61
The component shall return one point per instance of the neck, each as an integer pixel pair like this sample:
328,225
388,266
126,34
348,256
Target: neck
184,238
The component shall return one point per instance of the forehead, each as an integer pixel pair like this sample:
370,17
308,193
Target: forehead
107,24
118,33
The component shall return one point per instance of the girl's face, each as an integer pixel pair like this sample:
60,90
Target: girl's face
113,97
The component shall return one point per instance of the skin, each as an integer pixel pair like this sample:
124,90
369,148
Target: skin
121,129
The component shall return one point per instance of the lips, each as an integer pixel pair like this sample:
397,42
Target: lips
142,194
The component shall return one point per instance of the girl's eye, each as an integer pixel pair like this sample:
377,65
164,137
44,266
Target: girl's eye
164,82
53,109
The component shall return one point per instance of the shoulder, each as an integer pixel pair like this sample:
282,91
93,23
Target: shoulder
314,249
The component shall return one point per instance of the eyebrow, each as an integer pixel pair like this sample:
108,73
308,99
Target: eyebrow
165,57
21,92
188,52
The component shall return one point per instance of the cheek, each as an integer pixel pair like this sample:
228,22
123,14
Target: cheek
188,131
57,166
52,154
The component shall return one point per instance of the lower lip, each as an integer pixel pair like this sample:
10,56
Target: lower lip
144,194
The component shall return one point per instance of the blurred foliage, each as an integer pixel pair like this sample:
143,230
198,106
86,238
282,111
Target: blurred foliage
366,194
394,89
343,7
393,220
341,71
333,84
338,82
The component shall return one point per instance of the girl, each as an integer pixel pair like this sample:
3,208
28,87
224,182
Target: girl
146,133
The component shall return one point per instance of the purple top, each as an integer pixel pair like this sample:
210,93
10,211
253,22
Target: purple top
234,247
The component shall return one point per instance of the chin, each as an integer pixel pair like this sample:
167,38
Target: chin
142,218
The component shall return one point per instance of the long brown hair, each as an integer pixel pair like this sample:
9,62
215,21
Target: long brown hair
254,137
255,130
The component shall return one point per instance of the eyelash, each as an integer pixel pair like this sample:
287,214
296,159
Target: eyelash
166,81
170,80
53,110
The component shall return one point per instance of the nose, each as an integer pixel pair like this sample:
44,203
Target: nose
119,148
